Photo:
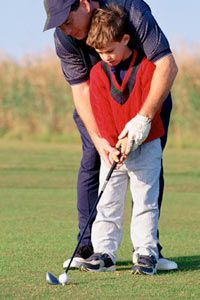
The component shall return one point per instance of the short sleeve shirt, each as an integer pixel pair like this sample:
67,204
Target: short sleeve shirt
77,58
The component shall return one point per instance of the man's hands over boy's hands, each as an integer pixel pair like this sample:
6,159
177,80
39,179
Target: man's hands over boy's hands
137,130
106,151
133,135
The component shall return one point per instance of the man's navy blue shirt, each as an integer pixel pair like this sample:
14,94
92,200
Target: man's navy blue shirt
77,58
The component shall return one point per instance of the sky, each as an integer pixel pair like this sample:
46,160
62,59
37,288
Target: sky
22,22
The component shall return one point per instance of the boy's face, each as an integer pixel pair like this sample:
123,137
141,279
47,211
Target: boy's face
115,52
78,23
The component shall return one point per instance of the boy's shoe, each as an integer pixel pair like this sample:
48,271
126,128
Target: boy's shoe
163,264
98,262
145,265
82,254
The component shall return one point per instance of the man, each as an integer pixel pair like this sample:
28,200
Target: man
72,20
119,85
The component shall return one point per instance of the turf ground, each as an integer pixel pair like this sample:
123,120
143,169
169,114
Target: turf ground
38,221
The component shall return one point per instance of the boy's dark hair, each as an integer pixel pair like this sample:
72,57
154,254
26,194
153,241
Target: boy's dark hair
108,25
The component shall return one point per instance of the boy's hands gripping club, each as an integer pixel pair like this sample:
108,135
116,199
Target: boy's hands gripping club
132,136
119,155
137,130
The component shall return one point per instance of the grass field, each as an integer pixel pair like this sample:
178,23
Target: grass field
38,220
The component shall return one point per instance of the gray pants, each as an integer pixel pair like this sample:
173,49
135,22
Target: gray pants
142,169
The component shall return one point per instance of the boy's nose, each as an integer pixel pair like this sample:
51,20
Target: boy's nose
106,57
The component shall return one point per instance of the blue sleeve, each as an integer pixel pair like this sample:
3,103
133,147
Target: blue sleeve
146,31
72,64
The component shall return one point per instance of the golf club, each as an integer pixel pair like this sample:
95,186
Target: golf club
63,278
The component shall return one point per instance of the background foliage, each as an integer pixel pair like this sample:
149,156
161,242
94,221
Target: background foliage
36,102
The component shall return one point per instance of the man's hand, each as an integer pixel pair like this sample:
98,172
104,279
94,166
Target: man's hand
137,130
105,149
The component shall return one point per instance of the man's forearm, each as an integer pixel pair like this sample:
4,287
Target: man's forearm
81,98
162,81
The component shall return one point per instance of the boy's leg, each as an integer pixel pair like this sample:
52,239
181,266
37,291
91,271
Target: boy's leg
107,227
87,192
144,170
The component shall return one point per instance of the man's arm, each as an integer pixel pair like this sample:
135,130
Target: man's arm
76,74
151,39
81,97
139,127
162,81
155,46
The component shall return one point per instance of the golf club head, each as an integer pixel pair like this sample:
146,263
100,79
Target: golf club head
51,279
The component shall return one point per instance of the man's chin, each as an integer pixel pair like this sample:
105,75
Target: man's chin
80,37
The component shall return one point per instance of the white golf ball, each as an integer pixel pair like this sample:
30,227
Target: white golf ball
63,279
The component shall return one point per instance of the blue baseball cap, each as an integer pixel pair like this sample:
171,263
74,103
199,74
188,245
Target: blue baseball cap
57,12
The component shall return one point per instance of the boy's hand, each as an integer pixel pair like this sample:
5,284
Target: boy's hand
114,156
119,155
122,145
138,130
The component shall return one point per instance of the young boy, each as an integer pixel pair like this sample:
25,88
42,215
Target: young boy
119,85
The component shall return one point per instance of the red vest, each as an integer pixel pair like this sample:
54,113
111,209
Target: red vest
114,105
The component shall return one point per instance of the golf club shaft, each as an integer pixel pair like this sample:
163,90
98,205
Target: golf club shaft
92,212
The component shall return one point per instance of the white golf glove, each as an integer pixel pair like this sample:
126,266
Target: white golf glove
138,130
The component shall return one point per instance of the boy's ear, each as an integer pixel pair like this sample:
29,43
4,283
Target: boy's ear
126,39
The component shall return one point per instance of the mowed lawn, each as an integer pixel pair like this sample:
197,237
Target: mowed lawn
38,221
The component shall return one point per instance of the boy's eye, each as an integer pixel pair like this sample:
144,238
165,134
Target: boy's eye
109,51
105,52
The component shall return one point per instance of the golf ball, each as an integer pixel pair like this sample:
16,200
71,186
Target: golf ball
63,279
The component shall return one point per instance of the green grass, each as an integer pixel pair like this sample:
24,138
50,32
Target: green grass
38,220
